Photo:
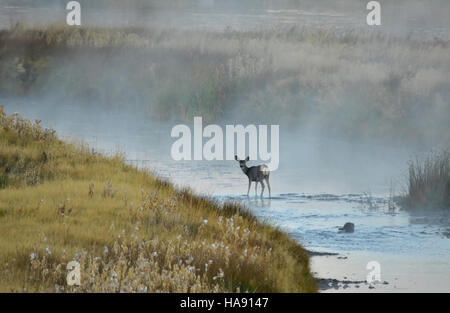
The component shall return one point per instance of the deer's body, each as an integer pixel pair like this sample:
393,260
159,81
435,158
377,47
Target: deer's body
257,174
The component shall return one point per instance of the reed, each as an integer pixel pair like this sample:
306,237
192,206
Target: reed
429,182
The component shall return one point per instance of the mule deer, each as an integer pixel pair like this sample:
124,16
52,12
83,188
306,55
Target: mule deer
257,174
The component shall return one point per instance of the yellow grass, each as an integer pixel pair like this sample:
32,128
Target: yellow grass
129,230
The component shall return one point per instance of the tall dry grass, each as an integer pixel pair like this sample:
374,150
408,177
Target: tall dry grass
129,230
429,182
359,83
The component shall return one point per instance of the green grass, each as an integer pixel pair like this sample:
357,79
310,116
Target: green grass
130,230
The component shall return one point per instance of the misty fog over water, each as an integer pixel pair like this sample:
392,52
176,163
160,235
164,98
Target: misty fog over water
308,163
354,104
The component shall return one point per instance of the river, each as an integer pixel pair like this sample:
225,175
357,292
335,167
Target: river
320,185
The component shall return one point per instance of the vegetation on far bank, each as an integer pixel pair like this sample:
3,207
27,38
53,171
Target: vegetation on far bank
359,84
130,230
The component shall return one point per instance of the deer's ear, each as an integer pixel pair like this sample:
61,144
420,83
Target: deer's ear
236,158
247,159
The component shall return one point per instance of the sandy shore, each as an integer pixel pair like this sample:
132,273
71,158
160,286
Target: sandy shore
346,272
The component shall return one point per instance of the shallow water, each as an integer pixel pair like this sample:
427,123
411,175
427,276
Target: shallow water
311,198
314,221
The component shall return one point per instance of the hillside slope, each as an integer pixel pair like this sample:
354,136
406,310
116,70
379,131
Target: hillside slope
129,230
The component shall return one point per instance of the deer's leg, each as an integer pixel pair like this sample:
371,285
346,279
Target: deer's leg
256,187
262,185
249,184
268,186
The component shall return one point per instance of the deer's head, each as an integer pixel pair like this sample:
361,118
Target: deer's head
242,163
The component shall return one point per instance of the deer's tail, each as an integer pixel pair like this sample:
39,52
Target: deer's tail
265,170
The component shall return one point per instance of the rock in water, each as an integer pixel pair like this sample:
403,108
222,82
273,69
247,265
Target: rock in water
348,228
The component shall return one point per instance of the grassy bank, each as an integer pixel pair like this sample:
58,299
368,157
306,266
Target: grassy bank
129,230
359,84
429,182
